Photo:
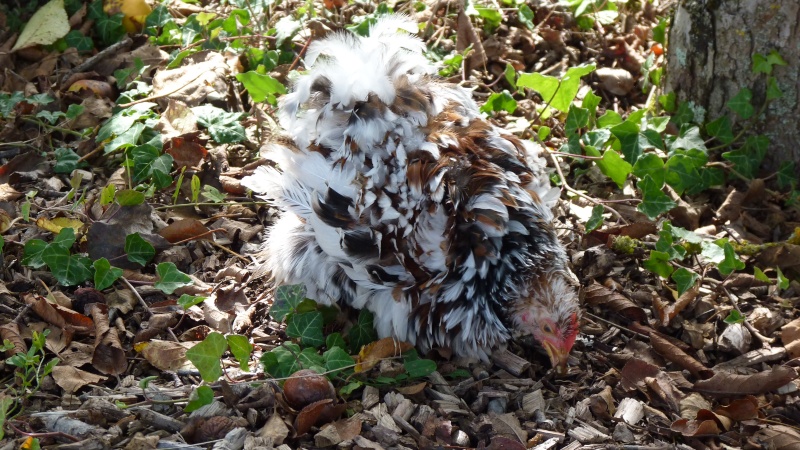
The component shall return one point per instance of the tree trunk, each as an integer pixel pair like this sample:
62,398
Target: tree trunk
710,58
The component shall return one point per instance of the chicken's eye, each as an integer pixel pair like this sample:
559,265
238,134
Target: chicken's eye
547,329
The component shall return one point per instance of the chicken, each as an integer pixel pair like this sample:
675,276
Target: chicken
397,196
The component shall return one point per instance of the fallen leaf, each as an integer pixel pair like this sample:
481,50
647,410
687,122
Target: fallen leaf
167,355
724,383
71,378
372,353
740,409
598,295
49,24
108,357
674,354
695,428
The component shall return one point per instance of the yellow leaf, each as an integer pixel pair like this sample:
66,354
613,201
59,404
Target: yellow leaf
372,353
48,24
135,12
56,225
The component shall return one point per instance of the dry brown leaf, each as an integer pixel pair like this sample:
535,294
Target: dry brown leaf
413,389
10,331
740,409
505,443
167,355
372,353
674,354
695,428
731,208
724,383
47,311
790,336
723,422
186,151
666,313
635,372
71,378
5,219
185,230
598,295
108,357
8,193
322,411
778,437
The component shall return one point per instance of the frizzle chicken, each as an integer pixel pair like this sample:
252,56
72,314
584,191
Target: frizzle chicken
398,197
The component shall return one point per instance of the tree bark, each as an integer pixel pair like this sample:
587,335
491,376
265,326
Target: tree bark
710,54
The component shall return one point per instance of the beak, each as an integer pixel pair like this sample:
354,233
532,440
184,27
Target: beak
558,357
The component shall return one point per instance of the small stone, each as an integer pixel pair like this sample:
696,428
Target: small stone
623,434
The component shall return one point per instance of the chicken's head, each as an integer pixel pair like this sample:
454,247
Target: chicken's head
550,311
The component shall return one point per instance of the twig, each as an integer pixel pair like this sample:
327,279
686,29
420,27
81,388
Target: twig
569,189
139,297
89,63
735,302
615,325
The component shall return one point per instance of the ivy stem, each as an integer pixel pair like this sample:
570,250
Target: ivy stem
569,189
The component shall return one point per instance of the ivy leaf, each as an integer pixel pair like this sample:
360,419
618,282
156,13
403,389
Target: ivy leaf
308,327
363,332
66,160
660,31
68,270
310,359
758,274
170,278
286,300
783,282
773,90
223,126
500,101
577,118
526,16
615,167
206,356
712,251
652,165
596,219
186,301
658,263
337,359
734,317
32,253
261,87
129,197
198,398
632,142
282,361
731,261
683,115
654,200
747,159
138,250
689,138
419,368
684,279
681,174
786,177
334,340
721,129
105,274
240,348
764,63
740,103
559,94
